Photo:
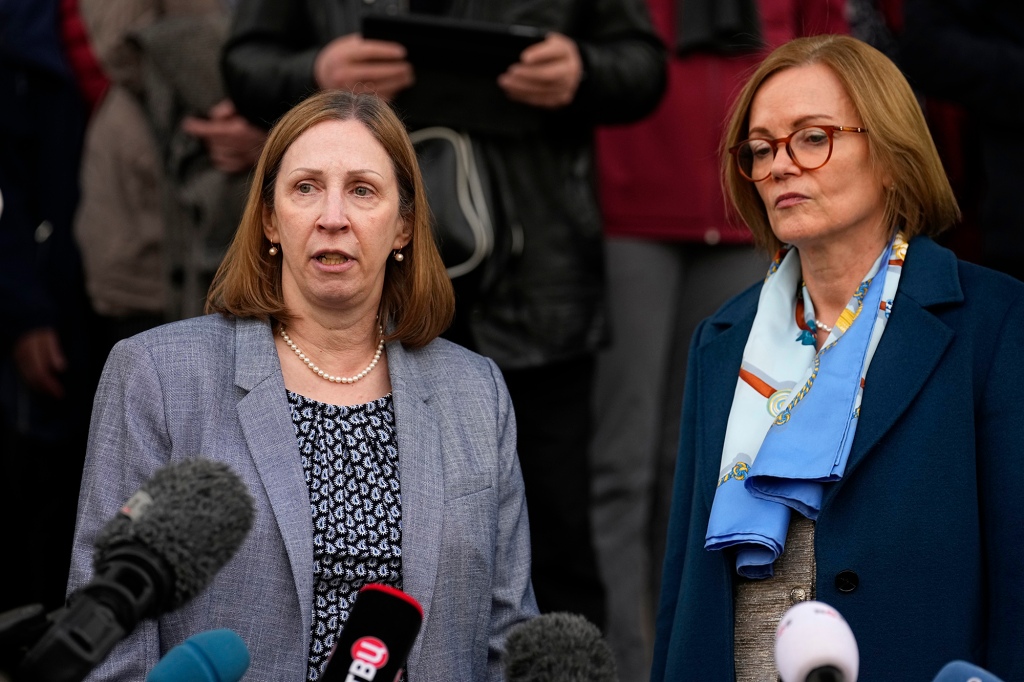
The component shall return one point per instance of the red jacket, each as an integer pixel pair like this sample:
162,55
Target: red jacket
659,177
89,75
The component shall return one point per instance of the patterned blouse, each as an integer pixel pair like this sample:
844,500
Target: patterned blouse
350,459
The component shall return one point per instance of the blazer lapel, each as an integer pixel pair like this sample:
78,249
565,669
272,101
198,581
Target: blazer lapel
422,477
266,423
911,347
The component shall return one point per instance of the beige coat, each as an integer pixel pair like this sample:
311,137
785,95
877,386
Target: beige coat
133,226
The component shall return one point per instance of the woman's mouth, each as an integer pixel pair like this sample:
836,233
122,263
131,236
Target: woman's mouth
332,258
789,199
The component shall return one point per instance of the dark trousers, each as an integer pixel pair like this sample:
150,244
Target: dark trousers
553,417
42,449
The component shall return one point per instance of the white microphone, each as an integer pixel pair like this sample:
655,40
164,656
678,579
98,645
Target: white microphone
813,643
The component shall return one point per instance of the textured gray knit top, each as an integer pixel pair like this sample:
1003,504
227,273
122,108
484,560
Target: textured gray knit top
759,604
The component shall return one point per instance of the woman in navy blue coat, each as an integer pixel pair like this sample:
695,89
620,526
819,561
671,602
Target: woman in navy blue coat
852,425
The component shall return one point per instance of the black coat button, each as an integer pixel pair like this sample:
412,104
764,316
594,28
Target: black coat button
847,581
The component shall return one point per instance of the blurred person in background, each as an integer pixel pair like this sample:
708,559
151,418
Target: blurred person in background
46,381
165,166
971,54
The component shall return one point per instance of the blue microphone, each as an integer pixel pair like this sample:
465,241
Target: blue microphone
962,671
211,656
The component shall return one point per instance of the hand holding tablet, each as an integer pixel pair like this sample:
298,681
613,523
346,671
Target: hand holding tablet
454,45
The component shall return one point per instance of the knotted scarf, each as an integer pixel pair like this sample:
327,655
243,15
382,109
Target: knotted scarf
794,412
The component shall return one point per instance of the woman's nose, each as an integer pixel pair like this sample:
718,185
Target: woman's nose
783,163
334,213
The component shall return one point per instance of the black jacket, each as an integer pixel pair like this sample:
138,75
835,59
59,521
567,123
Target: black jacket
541,299
971,52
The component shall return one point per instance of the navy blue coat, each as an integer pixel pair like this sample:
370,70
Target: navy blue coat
929,515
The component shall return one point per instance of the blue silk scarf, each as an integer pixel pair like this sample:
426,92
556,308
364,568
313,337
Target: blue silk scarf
795,410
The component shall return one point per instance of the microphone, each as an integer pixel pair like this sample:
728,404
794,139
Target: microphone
376,638
160,550
558,647
813,643
962,671
211,656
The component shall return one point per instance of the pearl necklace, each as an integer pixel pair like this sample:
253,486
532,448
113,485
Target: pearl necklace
330,377
823,327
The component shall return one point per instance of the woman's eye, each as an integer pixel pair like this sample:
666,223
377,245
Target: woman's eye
305,188
362,191
760,151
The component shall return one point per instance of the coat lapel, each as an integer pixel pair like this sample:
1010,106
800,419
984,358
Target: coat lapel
929,278
265,419
422,477
717,366
912,346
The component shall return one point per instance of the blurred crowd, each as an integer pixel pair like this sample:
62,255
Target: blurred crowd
125,155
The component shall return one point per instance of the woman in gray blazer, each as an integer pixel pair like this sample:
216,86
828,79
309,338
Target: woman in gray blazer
376,452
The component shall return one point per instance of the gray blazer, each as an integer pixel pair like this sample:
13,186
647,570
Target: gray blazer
212,387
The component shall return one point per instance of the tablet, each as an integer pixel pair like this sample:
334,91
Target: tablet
454,45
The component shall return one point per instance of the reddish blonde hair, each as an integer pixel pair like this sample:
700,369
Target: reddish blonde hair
920,201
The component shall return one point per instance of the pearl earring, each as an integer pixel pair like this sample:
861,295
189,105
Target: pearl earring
273,251
398,256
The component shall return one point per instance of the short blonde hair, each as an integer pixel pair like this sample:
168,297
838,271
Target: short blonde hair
417,302
920,200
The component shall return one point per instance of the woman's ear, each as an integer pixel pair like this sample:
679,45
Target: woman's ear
269,226
404,234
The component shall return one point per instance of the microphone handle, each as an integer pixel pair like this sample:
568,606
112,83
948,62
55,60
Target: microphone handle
20,629
131,584
80,639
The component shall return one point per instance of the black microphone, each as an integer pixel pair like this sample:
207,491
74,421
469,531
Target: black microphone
558,647
962,671
157,553
376,638
210,656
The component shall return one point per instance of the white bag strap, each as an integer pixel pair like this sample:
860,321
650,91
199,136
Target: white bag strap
470,193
